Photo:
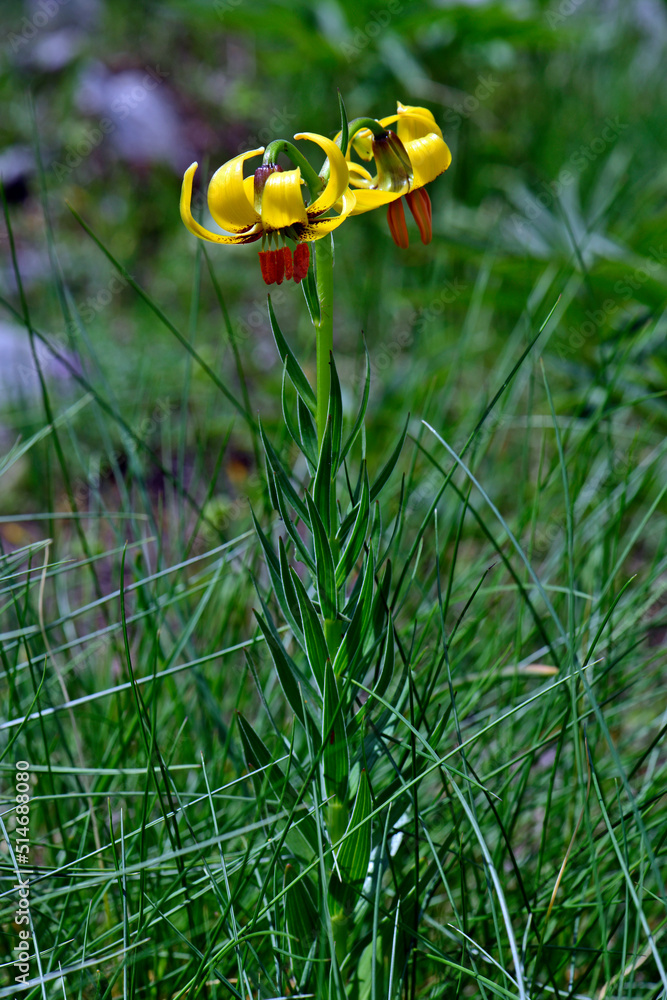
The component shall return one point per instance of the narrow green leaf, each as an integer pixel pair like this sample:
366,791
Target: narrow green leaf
257,755
381,605
294,370
282,479
308,434
310,294
354,854
355,542
388,662
348,521
313,634
355,637
255,752
300,911
324,564
288,587
335,416
288,674
269,554
271,483
344,130
359,422
398,524
335,755
387,470
273,567
291,529
376,527
290,423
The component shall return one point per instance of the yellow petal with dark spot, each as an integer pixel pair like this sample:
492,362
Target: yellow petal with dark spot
317,228
338,173
195,227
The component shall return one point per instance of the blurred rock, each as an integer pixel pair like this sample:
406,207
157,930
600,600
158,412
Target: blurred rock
138,112
56,50
53,32
19,376
17,164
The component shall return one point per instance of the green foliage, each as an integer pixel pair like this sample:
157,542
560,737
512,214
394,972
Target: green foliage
494,673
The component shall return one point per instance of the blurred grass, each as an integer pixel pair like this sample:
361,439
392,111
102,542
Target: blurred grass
557,693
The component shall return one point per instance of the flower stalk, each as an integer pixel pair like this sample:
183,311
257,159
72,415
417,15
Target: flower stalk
336,605
324,260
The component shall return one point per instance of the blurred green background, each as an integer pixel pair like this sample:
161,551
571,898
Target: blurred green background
555,114
555,205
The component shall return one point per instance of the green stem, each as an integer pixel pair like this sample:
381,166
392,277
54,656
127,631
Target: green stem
379,131
278,146
324,329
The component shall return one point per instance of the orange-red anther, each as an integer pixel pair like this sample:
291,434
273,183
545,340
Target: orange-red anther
397,225
287,258
301,262
419,204
268,266
279,264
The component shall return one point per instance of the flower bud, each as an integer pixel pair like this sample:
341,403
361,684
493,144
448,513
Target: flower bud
262,175
394,170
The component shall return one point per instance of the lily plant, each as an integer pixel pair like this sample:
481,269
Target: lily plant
328,580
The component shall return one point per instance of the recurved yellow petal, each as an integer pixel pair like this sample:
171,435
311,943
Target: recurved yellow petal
227,198
359,176
363,144
195,227
282,201
368,199
429,156
338,173
413,123
317,228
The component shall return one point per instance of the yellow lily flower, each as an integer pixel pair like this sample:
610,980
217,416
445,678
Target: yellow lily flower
269,204
417,139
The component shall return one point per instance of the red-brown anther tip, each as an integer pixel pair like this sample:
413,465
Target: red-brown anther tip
419,204
287,258
301,262
397,225
265,265
279,265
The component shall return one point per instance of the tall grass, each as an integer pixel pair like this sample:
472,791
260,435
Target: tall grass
517,762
